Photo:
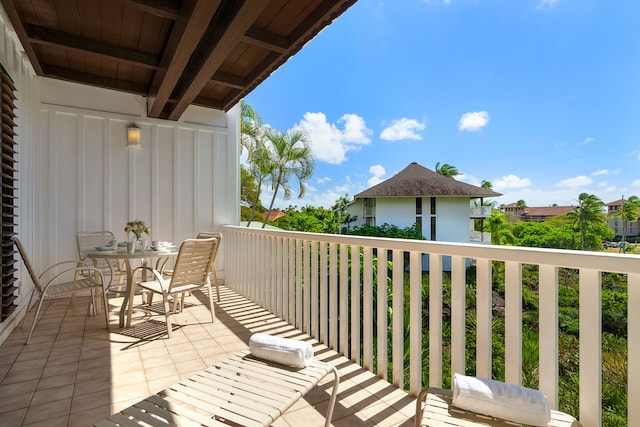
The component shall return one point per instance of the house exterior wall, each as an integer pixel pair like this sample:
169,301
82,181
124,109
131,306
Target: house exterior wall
398,211
453,216
76,173
452,220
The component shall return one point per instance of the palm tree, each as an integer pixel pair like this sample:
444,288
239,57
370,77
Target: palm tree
447,170
260,167
628,212
250,126
500,229
588,212
486,184
289,155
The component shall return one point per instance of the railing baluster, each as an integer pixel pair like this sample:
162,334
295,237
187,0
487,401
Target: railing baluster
415,322
332,288
458,315
367,307
590,347
513,322
324,296
483,316
316,276
435,320
344,299
381,315
300,309
398,326
633,345
549,333
355,304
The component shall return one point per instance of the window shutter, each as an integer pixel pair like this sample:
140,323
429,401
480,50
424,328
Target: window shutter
8,193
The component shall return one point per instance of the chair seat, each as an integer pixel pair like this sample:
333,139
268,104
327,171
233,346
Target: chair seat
156,286
66,288
439,412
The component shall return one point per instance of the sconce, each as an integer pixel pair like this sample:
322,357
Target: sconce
133,136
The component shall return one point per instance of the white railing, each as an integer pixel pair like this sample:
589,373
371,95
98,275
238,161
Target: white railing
481,211
313,281
479,236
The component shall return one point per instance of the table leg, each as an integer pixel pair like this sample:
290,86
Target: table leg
127,304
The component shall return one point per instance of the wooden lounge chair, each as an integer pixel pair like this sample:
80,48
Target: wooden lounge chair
240,391
438,411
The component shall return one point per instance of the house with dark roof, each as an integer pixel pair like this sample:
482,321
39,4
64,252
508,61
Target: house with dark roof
440,205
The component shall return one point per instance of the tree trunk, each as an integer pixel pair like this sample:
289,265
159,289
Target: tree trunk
273,199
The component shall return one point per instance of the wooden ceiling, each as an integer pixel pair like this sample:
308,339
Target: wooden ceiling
176,53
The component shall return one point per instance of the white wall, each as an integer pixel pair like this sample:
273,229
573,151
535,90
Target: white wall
452,219
76,174
398,211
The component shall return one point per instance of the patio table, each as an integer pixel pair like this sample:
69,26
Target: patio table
127,257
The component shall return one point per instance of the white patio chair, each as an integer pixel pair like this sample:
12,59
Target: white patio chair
53,283
191,271
89,240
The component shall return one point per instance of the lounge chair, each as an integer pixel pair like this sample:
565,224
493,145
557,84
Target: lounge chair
439,411
241,391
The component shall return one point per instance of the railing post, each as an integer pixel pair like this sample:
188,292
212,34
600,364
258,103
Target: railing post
513,322
633,346
484,301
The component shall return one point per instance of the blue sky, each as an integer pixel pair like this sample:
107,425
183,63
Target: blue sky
539,97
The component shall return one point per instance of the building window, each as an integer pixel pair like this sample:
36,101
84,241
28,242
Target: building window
9,208
433,206
433,228
369,214
418,205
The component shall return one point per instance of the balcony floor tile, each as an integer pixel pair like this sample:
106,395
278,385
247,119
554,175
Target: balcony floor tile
76,372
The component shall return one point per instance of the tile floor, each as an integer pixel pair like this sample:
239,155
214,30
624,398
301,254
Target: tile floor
76,372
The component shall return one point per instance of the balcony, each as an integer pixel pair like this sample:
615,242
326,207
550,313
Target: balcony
480,237
481,211
342,291
345,294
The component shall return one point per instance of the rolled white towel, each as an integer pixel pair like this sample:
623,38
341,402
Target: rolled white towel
497,399
294,353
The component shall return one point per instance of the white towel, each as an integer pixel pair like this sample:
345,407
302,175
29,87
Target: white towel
298,354
497,399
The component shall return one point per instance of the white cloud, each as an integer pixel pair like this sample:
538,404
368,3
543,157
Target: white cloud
575,182
510,182
601,172
584,141
636,183
473,121
403,129
545,3
378,172
328,142
323,180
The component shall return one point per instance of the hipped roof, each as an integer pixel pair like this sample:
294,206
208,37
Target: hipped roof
417,181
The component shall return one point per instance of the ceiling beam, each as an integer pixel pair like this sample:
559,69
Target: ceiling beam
265,39
93,80
220,45
16,22
322,15
183,41
229,80
44,36
169,9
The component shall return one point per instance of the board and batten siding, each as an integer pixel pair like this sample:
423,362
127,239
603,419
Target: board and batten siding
452,219
178,182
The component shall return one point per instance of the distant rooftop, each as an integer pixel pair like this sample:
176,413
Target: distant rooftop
417,181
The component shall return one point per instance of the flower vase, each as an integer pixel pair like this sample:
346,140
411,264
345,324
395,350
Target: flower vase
141,244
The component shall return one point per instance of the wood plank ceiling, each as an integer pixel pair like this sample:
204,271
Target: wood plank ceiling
176,53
